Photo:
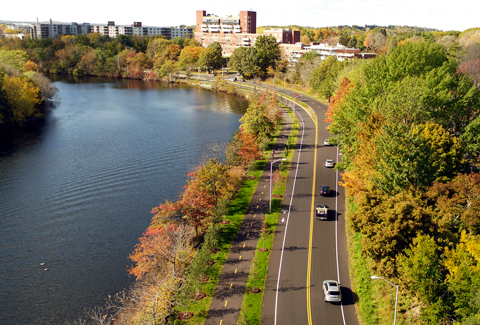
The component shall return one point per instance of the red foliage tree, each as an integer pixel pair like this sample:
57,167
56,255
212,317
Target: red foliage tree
249,147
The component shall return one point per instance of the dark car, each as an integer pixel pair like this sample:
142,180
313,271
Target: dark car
325,190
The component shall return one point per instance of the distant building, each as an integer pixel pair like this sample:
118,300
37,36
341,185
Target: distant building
183,32
230,31
293,52
284,36
340,51
112,30
50,29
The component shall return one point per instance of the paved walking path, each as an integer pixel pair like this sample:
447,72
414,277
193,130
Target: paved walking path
228,296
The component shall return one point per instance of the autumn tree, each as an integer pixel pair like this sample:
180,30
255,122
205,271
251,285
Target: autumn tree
248,149
457,203
463,278
22,97
376,42
160,247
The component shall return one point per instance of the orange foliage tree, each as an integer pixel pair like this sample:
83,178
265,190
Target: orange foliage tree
345,87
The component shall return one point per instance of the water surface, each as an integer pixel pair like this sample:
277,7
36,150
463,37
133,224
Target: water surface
76,192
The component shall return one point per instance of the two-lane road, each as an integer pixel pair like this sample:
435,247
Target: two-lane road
307,251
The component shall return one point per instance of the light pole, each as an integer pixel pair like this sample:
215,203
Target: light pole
271,164
374,277
295,96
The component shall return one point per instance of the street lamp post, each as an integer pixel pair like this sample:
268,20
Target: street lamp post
374,277
271,164
295,96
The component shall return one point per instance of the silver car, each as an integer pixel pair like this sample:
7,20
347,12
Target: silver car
329,163
331,291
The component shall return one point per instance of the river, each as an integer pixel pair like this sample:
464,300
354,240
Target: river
76,192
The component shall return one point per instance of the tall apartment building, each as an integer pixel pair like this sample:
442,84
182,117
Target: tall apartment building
50,29
230,31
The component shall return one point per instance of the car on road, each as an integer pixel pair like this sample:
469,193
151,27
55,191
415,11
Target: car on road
332,291
327,142
325,190
321,211
329,163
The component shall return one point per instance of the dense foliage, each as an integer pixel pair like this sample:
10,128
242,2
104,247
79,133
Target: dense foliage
404,122
23,90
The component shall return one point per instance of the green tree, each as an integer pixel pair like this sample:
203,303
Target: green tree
416,156
323,78
268,52
210,58
423,275
244,60
471,137
255,121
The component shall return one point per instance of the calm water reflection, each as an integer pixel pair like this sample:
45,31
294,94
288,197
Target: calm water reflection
75,194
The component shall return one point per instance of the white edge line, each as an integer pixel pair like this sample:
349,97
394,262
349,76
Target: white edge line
336,235
288,216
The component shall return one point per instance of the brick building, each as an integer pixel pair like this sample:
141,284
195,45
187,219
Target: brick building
284,36
230,31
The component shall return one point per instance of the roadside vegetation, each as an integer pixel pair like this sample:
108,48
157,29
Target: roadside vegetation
406,123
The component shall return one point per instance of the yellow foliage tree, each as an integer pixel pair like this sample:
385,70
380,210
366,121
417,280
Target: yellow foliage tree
22,96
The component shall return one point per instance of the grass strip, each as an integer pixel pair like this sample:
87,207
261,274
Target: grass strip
236,213
251,310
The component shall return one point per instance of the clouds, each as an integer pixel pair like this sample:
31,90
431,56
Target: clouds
440,14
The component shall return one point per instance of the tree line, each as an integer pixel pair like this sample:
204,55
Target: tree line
136,57
407,124
314,74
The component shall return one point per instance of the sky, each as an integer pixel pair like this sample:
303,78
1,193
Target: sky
440,14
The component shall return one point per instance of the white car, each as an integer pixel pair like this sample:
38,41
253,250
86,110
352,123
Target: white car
332,291
329,163
326,142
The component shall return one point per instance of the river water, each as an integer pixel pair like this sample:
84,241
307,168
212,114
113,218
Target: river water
76,192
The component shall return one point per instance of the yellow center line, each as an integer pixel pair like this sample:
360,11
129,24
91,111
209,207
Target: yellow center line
231,284
243,245
251,224
248,234
226,303
221,322
262,192
235,270
240,258
309,306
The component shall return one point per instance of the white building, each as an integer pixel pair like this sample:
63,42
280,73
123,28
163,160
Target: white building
50,29
181,32
53,28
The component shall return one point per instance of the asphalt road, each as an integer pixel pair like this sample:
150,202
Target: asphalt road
313,251
306,251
